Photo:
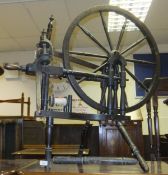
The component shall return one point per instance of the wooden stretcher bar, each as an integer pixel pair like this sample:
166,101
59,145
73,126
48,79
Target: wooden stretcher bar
38,151
21,101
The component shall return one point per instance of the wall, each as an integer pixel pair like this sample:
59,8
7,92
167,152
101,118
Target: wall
162,109
12,88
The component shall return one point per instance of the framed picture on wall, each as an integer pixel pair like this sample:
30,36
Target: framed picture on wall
143,71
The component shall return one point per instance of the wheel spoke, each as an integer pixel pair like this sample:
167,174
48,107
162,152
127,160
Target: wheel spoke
133,45
77,60
93,39
88,54
96,70
106,31
121,35
126,101
140,61
137,81
108,49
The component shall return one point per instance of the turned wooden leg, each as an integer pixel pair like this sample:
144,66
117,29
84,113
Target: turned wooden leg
156,125
149,120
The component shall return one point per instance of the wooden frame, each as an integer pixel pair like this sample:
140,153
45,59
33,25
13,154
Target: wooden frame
22,102
17,121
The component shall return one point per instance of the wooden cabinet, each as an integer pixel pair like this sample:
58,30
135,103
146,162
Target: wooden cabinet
10,137
111,142
1,140
103,140
33,132
64,134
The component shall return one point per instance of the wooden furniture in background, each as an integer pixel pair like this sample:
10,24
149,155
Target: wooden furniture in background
111,142
11,128
20,101
103,140
10,136
38,151
162,89
63,134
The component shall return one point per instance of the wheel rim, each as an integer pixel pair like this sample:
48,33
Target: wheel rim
144,31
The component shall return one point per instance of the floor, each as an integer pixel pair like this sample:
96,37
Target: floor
31,166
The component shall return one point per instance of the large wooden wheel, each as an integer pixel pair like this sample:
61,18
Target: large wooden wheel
86,29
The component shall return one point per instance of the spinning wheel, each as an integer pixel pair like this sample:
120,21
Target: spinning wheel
111,62
112,57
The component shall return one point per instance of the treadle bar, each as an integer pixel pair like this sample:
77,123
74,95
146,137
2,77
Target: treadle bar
94,160
134,149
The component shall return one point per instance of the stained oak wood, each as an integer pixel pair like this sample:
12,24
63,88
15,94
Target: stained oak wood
111,142
68,134
162,89
38,151
10,136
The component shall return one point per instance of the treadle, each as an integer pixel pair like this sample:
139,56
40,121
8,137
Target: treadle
94,160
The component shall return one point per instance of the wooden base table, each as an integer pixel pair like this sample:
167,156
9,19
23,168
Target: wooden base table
38,151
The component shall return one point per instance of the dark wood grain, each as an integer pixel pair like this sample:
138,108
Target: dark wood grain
34,133
162,89
111,142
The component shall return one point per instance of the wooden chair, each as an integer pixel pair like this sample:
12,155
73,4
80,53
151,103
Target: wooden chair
17,122
22,103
